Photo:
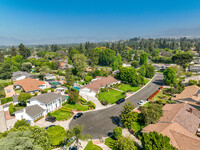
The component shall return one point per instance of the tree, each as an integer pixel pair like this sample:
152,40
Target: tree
27,66
81,49
182,59
23,51
43,71
106,57
21,123
76,132
73,97
117,132
127,116
150,71
56,64
135,64
169,76
136,57
144,59
125,143
88,78
115,65
94,57
154,140
13,51
23,97
142,70
11,108
57,135
152,113
54,48
5,71
72,53
1,57
79,62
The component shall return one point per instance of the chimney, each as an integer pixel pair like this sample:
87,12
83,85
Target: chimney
190,110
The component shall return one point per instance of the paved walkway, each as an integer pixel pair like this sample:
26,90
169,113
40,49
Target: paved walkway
95,101
125,132
3,126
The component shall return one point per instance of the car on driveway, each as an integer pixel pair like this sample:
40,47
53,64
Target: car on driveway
50,126
50,119
120,100
141,102
78,115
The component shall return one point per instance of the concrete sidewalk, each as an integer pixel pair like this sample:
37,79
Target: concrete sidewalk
3,126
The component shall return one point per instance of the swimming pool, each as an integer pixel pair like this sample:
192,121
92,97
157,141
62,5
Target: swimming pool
77,88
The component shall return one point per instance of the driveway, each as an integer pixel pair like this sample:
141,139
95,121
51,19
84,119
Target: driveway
3,126
99,123
95,101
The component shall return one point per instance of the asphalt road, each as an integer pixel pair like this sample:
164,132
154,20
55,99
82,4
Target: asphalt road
99,123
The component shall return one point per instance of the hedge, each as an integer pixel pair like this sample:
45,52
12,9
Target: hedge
6,100
91,105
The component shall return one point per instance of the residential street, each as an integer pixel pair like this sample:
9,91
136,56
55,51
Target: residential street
99,123
3,127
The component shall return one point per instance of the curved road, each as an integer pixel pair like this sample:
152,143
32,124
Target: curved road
99,123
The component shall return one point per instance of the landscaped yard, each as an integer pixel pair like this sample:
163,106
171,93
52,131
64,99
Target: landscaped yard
161,96
4,81
111,96
18,91
128,87
77,107
61,115
91,146
110,143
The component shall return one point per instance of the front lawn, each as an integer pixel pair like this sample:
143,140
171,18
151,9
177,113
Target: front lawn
78,107
110,143
128,87
111,96
61,115
18,91
146,80
91,146
161,97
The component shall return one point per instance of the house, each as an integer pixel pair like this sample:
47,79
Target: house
49,77
194,68
61,90
40,105
96,84
162,67
126,65
19,75
190,94
30,85
180,123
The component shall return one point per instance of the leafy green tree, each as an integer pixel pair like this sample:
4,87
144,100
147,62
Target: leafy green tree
182,59
125,143
142,70
117,132
144,59
1,57
72,53
152,113
54,48
69,76
56,64
94,57
127,74
119,60
192,82
79,62
12,108
21,123
5,71
43,71
76,132
57,135
23,51
169,76
135,64
88,78
115,65
154,140
23,97
73,97
150,71
13,51
136,57
27,66
106,57
127,116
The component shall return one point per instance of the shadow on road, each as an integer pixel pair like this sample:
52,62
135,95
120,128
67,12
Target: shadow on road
158,82
115,120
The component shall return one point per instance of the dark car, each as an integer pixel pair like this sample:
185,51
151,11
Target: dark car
120,100
50,126
78,115
50,119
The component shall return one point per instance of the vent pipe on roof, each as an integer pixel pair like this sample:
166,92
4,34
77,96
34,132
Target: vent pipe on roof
190,110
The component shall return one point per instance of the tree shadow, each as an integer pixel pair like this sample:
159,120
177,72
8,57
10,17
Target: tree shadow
116,120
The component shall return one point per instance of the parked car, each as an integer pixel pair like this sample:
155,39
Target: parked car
141,102
50,119
50,126
78,115
120,100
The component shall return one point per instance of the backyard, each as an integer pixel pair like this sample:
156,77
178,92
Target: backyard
111,96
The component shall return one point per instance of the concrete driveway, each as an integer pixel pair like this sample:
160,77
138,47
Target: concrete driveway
3,126
99,123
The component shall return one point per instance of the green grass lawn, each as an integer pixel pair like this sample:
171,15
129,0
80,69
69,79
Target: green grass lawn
77,107
18,91
4,81
161,96
146,80
61,115
111,96
128,87
19,107
110,143
91,146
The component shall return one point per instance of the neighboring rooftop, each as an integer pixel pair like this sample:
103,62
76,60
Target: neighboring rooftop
29,84
100,82
18,74
48,97
15,98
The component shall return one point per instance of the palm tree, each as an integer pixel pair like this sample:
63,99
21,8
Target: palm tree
76,132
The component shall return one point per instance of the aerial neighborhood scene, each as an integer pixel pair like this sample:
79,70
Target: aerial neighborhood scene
99,75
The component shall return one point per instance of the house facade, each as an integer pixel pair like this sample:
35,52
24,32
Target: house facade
41,105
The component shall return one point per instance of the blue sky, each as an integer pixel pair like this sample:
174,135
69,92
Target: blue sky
43,19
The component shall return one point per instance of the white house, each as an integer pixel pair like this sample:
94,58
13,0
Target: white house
40,105
96,84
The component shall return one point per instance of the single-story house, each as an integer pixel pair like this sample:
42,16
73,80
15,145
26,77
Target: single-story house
180,123
162,67
49,77
40,106
190,94
19,75
30,85
61,89
96,84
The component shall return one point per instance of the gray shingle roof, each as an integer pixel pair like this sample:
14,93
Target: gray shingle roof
18,74
34,110
47,98
15,98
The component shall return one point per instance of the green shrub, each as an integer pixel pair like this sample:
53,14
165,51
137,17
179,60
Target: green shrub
66,91
83,101
91,105
43,91
52,90
117,132
36,93
49,114
11,108
111,143
6,100
192,82
23,97
104,102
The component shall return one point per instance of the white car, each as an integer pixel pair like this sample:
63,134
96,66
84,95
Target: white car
141,102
